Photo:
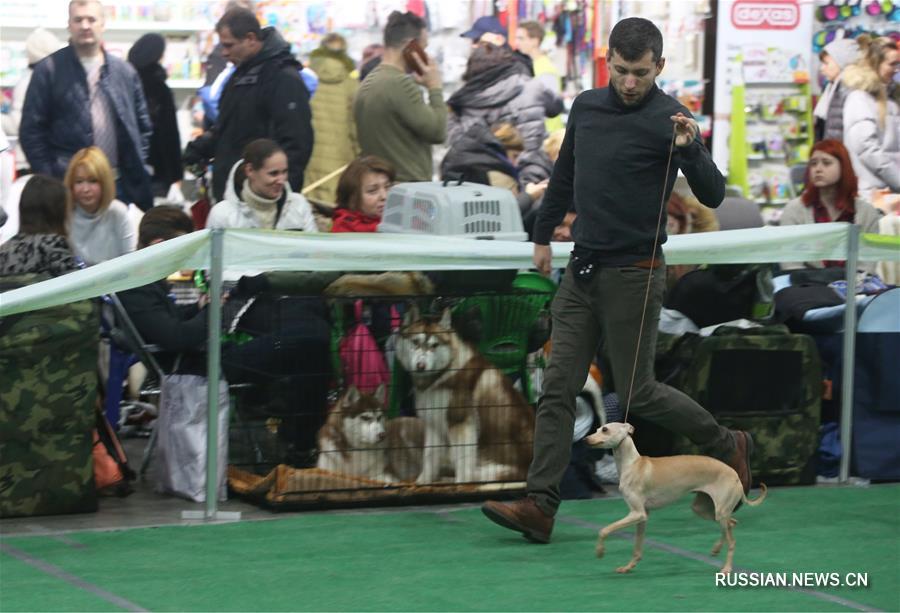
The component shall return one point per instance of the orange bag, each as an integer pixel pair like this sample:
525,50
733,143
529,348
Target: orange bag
111,471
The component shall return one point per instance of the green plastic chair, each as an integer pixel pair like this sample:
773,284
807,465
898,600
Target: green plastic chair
507,321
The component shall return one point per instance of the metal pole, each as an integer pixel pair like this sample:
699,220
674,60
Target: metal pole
213,378
213,363
849,352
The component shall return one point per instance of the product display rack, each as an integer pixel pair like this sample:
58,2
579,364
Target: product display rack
771,131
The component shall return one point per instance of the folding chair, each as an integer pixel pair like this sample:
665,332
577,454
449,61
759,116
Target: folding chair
126,347
125,335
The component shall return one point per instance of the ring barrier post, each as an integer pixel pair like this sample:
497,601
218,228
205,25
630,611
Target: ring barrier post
849,352
213,375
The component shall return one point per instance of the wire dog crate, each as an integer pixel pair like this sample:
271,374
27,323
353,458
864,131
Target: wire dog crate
453,421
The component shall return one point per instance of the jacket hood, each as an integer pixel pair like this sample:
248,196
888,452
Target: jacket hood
147,50
274,48
477,149
331,66
494,87
235,184
858,76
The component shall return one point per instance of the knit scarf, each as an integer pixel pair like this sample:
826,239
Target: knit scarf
264,209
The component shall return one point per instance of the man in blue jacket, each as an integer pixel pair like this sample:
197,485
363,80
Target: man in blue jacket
613,167
82,96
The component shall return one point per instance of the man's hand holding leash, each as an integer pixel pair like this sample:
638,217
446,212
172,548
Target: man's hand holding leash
686,130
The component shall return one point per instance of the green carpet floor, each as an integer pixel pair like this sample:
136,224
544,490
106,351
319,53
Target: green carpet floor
457,560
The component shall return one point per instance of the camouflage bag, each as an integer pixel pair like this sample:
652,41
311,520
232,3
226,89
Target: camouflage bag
48,394
762,380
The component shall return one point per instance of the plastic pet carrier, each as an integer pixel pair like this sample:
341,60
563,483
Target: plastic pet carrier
468,210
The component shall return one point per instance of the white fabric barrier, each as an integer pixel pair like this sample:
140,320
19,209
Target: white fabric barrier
251,251
125,272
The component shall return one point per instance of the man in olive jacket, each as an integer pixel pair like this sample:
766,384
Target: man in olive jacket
392,120
264,98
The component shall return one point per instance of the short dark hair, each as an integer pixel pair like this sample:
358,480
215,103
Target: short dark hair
240,22
258,151
44,207
350,183
162,223
632,37
533,28
402,27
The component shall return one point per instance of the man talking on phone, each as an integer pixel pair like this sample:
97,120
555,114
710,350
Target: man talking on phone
393,121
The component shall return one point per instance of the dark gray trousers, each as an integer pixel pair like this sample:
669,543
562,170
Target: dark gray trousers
609,307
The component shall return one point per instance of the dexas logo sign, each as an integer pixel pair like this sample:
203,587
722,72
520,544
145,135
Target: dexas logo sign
761,15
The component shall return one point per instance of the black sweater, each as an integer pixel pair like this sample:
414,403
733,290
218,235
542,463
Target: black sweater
611,167
176,329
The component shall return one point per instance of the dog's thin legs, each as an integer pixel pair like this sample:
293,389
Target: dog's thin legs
464,451
727,525
431,459
732,522
638,548
635,516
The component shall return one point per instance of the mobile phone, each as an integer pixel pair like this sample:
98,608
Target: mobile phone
413,47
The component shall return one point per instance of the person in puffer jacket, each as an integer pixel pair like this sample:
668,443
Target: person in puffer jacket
829,112
332,116
498,89
258,194
872,116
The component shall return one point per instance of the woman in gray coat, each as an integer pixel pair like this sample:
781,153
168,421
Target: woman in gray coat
499,89
872,116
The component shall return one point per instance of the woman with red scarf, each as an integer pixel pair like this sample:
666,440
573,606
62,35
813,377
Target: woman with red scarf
830,195
361,193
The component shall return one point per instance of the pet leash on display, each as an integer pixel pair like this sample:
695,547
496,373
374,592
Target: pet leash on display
662,205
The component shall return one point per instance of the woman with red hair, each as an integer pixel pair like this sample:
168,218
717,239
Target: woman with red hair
831,194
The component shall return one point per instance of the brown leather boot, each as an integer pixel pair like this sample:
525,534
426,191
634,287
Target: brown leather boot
740,459
522,516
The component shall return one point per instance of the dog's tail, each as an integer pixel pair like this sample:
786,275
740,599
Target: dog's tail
758,500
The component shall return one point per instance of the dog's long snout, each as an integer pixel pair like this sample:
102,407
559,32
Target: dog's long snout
594,440
420,364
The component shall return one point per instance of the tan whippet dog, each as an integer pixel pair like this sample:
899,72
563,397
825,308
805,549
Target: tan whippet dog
650,483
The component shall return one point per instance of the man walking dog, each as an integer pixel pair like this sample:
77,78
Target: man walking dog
614,167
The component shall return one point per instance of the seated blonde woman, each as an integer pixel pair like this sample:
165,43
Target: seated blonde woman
101,228
686,215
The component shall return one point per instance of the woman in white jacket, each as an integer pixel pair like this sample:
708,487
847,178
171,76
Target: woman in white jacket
872,116
258,195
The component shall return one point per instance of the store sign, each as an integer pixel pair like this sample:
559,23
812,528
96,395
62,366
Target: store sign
760,15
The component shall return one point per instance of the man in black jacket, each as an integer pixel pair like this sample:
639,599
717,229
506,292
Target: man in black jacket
613,166
264,98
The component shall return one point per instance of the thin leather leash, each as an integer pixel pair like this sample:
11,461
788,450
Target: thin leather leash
662,206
